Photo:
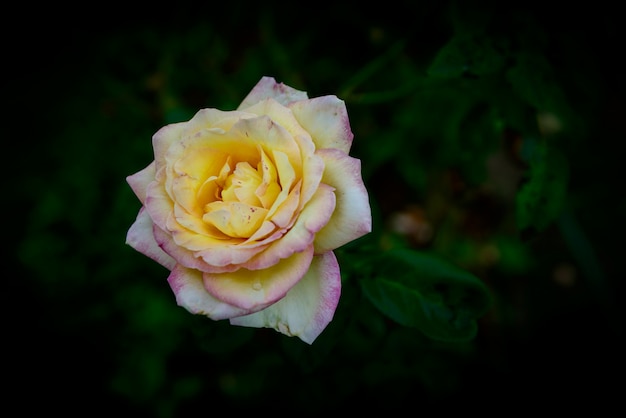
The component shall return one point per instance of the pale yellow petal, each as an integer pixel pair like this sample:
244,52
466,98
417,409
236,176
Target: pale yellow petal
163,139
352,217
308,307
256,289
234,219
139,181
268,87
190,294
326,120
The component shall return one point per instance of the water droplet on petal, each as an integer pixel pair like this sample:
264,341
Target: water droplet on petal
257,286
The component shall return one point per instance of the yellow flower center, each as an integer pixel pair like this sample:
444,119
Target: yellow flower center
239,199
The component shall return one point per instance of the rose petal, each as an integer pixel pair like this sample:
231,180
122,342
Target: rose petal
233,143
192,224
213,119
268,189
326,120
140,236
191,172
268,88
312,218
287,177
253,290
164,138
286,212
235,219
191,295
197,241
307,308
352,217
313,168
158,204
139,181
218,259
171,140
306,162
281,115
270,135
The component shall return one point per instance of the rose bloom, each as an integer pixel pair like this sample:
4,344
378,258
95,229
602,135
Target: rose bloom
245,208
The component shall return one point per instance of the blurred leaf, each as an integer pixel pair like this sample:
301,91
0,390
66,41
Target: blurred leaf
513,256
420,290
533,79
378,64
465,54
541,198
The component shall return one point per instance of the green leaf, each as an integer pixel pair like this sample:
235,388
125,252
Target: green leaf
475,54
541,198
426,292
534,80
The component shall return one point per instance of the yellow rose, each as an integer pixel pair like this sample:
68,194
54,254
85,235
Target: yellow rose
244,208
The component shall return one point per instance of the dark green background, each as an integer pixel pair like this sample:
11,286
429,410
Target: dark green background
91,327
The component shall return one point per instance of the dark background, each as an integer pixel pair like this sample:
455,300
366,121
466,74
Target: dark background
91,327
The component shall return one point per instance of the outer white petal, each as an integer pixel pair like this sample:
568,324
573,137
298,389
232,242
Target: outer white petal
307,308
190,294
139,181
140,236
223,259
267,88
254,290
158,204
326,120
352,217
164,138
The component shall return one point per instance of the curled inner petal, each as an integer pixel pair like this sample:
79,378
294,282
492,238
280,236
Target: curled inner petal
268,190
235,219
242,184
210,189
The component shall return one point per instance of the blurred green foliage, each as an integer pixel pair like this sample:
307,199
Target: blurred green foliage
486,136
420,290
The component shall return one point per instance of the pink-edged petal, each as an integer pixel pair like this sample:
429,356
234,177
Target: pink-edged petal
158,204
283,211
281,115
253,290
214,146
164,138
313,168
213,119
140,236
139,181
312,218
191,295
225,257
326,119
268,88
307,308
352,217
264,131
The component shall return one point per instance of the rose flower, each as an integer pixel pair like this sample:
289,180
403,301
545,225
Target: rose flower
245,208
